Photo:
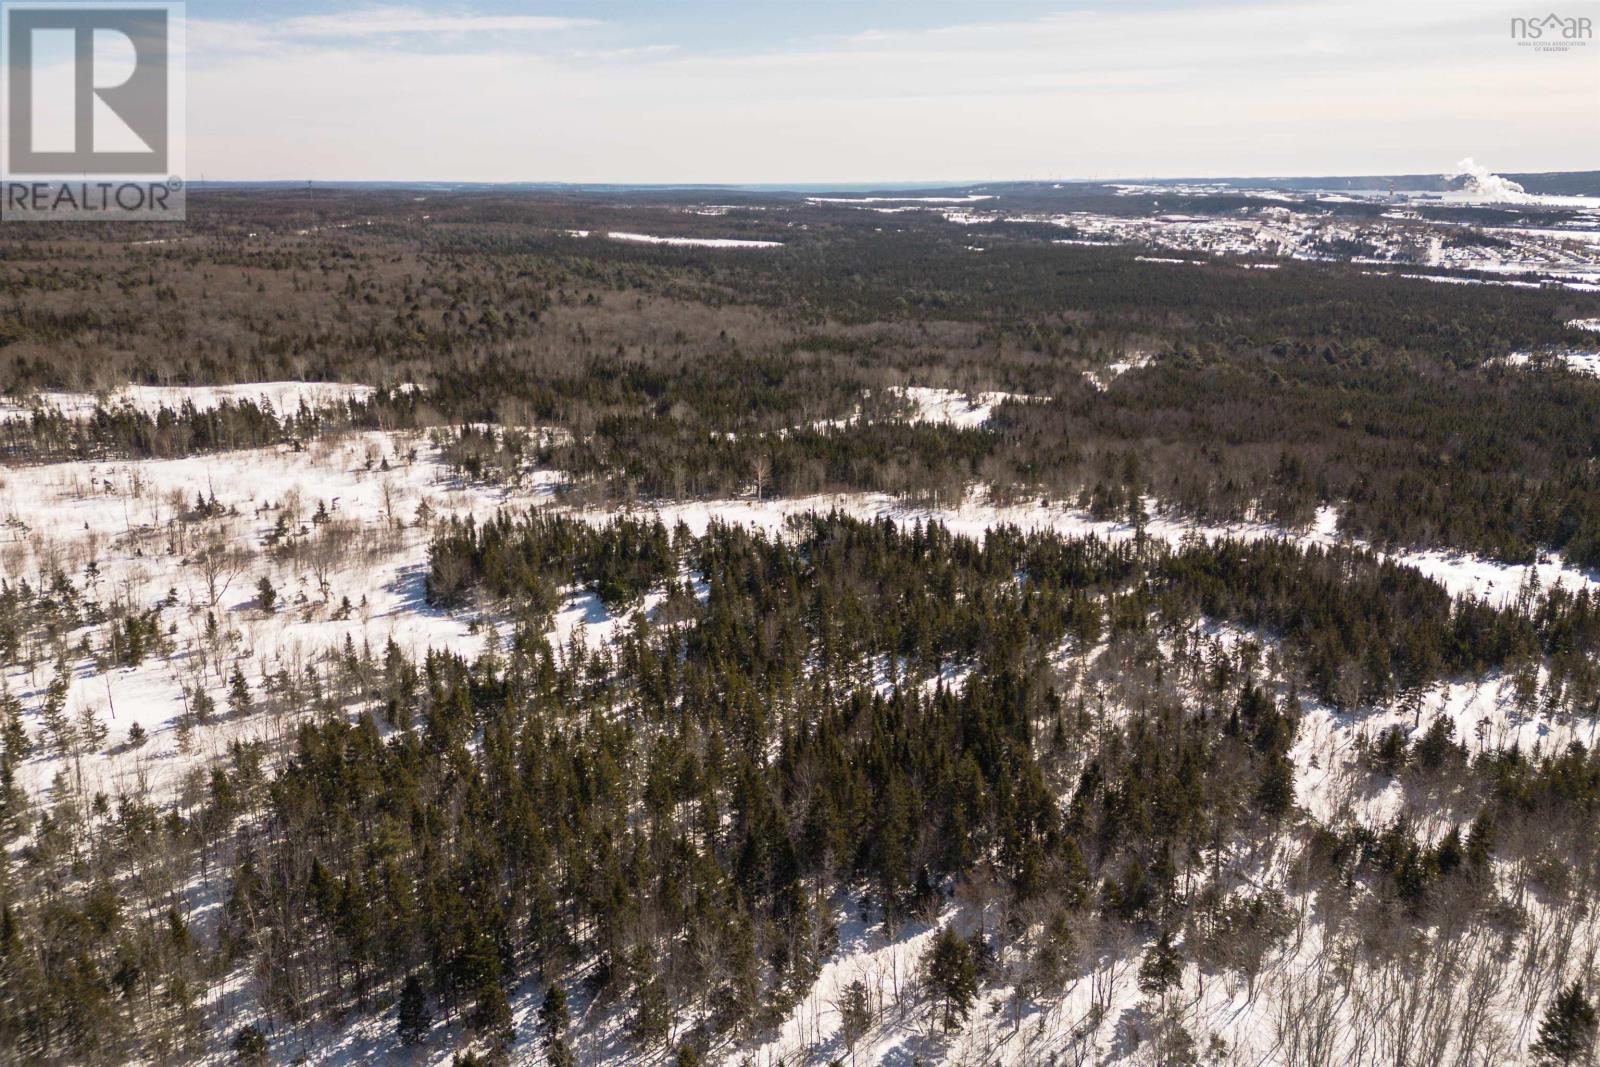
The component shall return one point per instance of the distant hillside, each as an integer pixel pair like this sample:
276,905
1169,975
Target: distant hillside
1554,183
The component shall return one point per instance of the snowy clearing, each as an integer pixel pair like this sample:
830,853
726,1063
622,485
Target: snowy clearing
697,242
968,199
954,408
1581,362
1101,379
282,397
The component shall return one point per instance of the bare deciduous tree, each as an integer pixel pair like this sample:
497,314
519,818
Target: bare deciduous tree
220,563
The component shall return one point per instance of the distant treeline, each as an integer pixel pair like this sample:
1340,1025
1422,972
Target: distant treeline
681,371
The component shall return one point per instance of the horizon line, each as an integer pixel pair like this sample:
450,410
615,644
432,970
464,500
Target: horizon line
844,183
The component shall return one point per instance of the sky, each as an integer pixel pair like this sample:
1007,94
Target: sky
773,91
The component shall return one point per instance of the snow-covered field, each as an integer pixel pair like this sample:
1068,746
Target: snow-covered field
695,242
1569,258
282,397
967,199
952,407
937,406
1581,362
120,530
1103,378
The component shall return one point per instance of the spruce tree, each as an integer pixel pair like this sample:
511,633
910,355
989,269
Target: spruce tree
250,1045
953,976
1275,788
54,712
92,732
413,1017
855,1015
14,741
553,1012
1162,967
552,1023
1566,1036
491,1016
238,694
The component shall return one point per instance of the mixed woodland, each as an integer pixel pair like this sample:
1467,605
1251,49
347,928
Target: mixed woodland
1088,744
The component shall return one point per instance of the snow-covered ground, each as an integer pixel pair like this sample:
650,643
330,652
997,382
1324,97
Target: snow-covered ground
696,242
1102,378
953,407
947,407
1582,362
1460,573
1298,226
967,199
282,397
1486,714
127,531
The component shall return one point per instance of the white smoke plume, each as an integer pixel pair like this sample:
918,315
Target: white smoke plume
1481,184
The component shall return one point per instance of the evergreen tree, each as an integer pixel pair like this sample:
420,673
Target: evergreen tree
250,1045
491,1016
553,1024
14,742
1480,840
53,713
952,974
1275,790
91,729
1162,967
238,694
855,1015
1566,1036
553,1012
413,1019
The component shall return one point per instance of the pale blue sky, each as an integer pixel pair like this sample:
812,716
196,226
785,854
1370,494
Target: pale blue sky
872,90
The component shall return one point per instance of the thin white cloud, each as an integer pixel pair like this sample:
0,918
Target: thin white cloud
386,21
1315,86
644,51
219,41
